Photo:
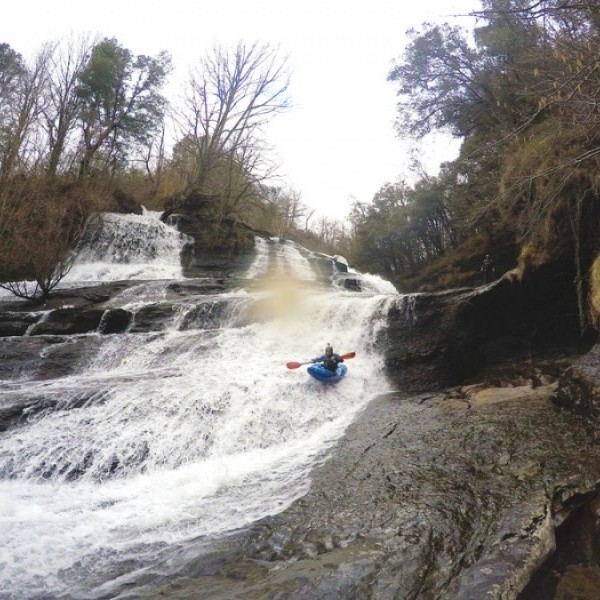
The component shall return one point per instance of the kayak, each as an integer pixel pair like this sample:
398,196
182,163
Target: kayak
319,372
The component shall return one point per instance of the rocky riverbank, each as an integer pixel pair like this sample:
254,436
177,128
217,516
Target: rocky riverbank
449,495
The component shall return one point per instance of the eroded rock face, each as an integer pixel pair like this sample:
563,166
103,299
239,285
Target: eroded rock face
444,338
579,391
218,246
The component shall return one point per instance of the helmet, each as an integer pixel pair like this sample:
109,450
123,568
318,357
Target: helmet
328,350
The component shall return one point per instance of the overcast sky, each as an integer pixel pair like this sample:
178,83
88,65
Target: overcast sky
337,143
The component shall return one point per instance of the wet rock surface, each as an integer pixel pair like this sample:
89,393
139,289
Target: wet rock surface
91,309
579,390
441,339
425,496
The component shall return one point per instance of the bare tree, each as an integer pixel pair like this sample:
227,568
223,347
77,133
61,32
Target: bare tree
63,103
38,240
283,209
22,105
230,96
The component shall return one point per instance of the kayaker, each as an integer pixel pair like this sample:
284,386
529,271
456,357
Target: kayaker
330,359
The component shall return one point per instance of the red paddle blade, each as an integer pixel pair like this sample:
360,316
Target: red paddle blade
349,355
293,365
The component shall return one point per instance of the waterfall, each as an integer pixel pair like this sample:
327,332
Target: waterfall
181,433
281,258
129,247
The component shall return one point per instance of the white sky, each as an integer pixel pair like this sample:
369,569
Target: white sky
337,143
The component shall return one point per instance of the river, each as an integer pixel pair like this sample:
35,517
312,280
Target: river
183,433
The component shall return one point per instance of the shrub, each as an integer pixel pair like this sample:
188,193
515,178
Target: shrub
41,220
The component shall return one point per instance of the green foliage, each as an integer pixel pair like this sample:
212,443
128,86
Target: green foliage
438,85
121,104
402,229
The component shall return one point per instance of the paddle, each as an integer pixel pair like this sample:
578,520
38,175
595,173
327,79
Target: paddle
294,365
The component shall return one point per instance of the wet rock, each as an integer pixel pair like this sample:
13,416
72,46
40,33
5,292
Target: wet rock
84,310
443,339
68,321
419,500
37,358
65,305
115,320
579,390
16,323
152,317
204,285
44,357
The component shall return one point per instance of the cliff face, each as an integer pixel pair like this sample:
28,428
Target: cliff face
444,338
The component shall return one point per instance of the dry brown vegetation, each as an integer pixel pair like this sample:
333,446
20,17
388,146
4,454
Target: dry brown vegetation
41,220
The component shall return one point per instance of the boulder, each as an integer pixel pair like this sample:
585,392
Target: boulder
68,321
115,320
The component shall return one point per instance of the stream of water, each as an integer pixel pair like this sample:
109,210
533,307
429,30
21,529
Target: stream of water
186,432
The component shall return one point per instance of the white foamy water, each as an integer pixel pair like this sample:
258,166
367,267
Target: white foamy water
281,258
167,436
130,247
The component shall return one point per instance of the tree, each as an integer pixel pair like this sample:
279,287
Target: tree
63,102
282,209
447,83
382,242
230,96
21,89
433,225
38,240
121,103
438,83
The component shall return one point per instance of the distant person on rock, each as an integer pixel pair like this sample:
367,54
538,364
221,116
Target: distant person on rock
487,268
330,359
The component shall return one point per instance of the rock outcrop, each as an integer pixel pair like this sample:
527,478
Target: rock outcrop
444,338
219,245
579,391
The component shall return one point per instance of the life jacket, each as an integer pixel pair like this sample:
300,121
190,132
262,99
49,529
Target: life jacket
330,363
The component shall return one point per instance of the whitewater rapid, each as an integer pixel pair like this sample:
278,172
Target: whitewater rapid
182,433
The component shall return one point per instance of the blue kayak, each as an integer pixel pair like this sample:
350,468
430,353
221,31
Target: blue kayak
318,371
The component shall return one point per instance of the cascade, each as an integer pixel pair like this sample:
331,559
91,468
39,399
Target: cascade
184,432
129,247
